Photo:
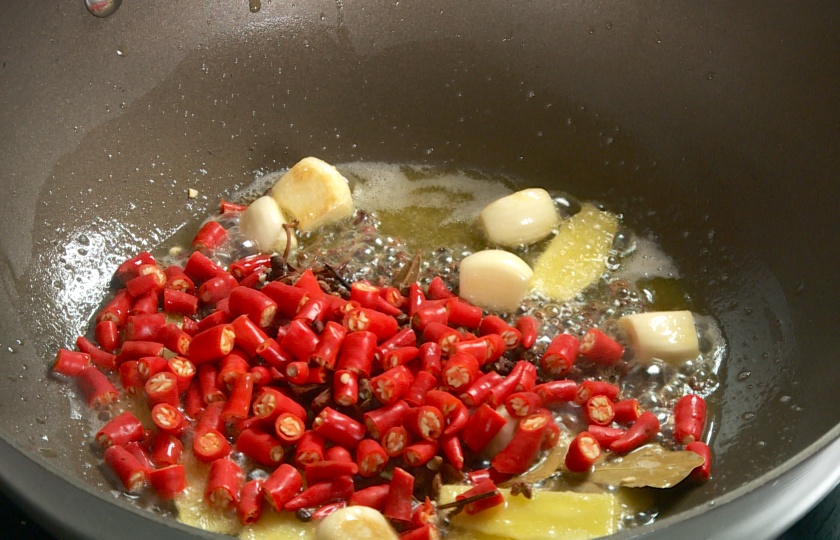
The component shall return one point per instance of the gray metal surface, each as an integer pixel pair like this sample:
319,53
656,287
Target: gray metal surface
714,125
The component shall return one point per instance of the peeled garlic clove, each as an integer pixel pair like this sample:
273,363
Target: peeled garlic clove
494,279
667,335
263,222
314,193
520,218
357,522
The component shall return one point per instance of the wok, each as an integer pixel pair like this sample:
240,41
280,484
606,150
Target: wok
713,125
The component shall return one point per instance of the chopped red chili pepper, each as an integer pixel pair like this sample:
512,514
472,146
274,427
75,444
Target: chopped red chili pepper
162,387
282,485
423,383
590,388
599,410
429,312
454,411
216,289
689,419
371,458
120,430
211,344
393,296
583,451
443,335
310,448
372,497
404,338
379,420
528,327
322,471
315,309
451,447
169,481
70,363
200,268
702,472
107,335
239,401
210,236
177,280
600,348
369,320
364,293
340,488
430,354
507,386
98,357
244,267
338,428
560,355
391,385
131,267
399,357
130,472
627,411
331,338
357,353
426,422
166,449
345,388
555,392
460,371
223,484
420,452
521,404
297,372
151,365
209,445
394,440
288,298
481,427
493,324
605,435
249,508
271,402
95,387
130,377
480,389
642,431
438,289
289,428
169,419
399,503
461,314
248,336
521,452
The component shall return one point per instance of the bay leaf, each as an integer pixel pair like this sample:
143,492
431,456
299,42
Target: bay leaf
649,466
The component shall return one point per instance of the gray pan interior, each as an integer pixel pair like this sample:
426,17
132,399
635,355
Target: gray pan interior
715,125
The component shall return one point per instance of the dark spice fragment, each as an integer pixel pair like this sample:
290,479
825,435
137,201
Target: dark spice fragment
522,488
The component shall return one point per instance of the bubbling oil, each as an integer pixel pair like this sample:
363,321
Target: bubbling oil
404,211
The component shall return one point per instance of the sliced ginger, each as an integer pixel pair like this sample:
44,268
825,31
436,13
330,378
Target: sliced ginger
549,514
274,525
576,257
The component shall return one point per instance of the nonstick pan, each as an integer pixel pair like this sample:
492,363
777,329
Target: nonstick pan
714,126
